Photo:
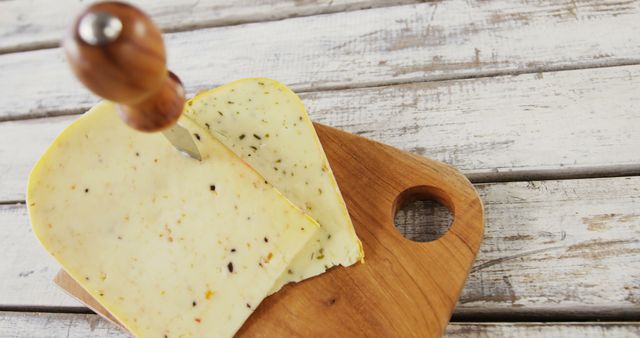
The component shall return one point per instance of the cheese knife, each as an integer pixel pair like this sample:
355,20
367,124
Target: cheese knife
117,52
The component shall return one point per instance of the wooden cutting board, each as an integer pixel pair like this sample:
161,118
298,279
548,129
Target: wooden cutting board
404,288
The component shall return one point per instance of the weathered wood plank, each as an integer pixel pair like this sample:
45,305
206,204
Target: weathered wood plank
57,325
31,24
489,127
54,325
568,246
26,268
543,330
431,41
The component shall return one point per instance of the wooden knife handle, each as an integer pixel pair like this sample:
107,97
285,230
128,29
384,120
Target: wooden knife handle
118,53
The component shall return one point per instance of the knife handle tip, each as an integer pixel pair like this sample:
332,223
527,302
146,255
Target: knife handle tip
117,52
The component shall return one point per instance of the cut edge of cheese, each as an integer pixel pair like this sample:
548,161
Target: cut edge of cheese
267,125
292,242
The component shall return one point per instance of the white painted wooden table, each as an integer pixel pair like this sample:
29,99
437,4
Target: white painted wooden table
538,102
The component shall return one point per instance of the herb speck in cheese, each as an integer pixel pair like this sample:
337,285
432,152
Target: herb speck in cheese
230,102
241,137
212,187
254,148
257,137
248,305
221,114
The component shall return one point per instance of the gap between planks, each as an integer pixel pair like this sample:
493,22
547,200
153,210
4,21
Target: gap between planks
547,315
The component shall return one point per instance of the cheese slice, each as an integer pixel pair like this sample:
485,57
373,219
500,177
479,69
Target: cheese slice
266,124
172,247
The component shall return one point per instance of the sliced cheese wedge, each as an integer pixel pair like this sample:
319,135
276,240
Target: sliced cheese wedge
172,247
266,124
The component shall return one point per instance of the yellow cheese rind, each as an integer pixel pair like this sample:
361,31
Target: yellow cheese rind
266,124
143,229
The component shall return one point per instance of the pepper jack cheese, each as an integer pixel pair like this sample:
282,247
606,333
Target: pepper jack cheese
172,247
266,124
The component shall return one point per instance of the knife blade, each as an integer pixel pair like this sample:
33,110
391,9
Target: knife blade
182,139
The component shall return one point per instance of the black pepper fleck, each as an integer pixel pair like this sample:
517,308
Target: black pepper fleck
230,267
86,190
248,305
266,240
197,136
212,187
233,250
254,148
194,304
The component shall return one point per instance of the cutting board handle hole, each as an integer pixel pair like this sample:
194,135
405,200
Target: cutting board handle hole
422,214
